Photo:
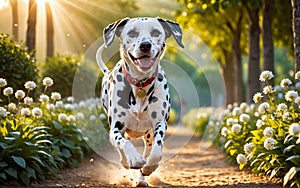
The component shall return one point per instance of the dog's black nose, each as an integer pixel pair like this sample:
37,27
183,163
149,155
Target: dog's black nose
145,46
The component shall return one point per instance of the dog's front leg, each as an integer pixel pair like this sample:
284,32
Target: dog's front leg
130,157
156,151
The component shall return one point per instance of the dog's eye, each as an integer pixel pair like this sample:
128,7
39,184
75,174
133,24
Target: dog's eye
155,33
132,34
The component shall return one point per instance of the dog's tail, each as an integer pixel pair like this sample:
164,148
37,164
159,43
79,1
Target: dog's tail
99,59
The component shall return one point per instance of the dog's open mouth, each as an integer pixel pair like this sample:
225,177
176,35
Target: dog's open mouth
144,61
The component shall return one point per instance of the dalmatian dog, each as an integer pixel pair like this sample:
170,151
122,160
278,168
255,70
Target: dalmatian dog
135,92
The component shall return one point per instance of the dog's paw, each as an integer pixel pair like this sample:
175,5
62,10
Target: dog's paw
141,183
134,159
147,170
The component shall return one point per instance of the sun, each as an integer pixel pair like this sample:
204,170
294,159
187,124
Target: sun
3,4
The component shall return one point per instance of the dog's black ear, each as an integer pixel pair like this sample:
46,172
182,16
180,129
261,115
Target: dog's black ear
172,28
113,29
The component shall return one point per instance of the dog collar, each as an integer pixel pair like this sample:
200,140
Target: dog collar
140,84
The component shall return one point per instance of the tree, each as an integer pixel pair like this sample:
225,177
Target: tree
50,31
15,18
221,27
254,52
31,25
296,32
267,36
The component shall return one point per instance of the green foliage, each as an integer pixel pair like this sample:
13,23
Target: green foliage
39,138
62,69
17,64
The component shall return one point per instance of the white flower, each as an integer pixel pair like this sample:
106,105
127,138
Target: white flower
268,90
47,81
269,143
62,117
8,91
55,96
30,85
50,106
92,118
294,129
244,106
80,115
297,75
229,106
297,86
285,82
102,116
266,75
268,132
229,121
2,112
72,118
282,107
291,95
248,147
263,108
224,131
28,100
44,98
70,99
3,82
59,104
37,112
25,111
236,128
20,94
68,106
286,116
244,118
264,118
259,123
236,111
257,97
241,159
11,106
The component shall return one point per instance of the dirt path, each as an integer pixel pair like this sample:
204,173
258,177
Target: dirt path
189,167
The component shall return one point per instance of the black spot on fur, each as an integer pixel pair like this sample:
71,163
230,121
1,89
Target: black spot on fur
159,142
148,136
119,78
109,120
150,90
161,133
124,95
162,112
146,108
167,97
120,69
119,125
165,86
150,145
123,113
115,132
164,104
115,110
153,114
160,77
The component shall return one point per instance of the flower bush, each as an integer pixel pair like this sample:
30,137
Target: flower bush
265,136
37,138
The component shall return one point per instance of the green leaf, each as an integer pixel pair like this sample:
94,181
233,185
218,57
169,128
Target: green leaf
3,145
57,125
3,164
31,172
288,149
20,161
66,153
12,172
2,175
295,159
24,178
289,175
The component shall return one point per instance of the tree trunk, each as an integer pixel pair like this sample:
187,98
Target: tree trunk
254,53
296,32
229,78
50,31
31,26
15,18
237,59
268,47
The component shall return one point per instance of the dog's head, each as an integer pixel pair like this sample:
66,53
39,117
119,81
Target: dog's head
143,39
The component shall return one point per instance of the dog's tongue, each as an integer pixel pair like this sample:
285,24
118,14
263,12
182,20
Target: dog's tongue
145,62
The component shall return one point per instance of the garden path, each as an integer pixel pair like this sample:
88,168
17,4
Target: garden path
189,167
